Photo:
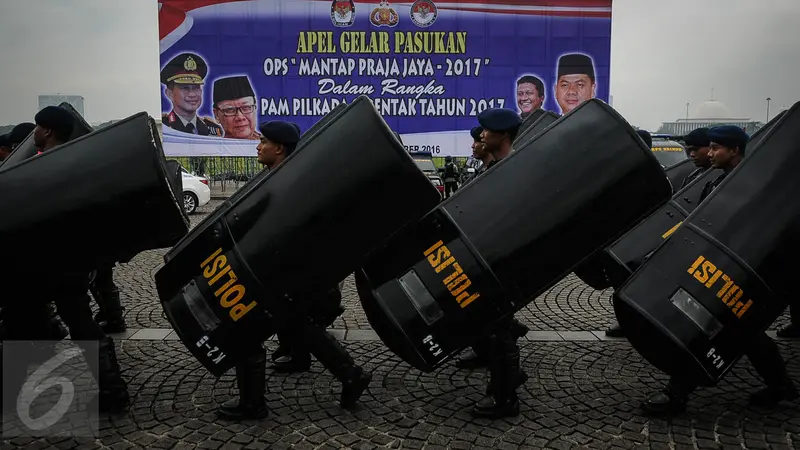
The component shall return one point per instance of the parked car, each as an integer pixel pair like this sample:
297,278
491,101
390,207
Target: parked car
438,183
667,150
196,192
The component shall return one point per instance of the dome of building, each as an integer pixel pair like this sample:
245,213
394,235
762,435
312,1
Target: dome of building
712,109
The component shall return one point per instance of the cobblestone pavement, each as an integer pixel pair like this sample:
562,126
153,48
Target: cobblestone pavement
583,391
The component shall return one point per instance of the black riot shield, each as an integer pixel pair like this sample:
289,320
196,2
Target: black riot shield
611,268
298,229
542,122
530,120
678,171
26,149
487,251
103,197
694,306
176,177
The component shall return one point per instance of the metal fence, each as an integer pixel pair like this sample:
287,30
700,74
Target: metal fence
226,173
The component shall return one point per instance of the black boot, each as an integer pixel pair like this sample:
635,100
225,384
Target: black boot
110,315
330,353
670,400
113,389
251,379
472,360
791,331
506,376
615,331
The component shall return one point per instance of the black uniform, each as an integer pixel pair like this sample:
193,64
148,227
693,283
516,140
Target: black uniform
763,352
304,335
106,294
450,177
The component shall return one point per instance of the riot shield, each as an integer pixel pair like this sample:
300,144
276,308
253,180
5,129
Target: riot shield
102,197
545,120
613,266
487,251
530,120
678,171
26,149
694,306
300,228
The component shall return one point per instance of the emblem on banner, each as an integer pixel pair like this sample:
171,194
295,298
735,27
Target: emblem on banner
384,15
190,64
423,13
343,13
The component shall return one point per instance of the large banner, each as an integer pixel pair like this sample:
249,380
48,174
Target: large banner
429,66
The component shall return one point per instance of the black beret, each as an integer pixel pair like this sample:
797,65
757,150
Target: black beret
55,118
186,68
280,132
4,140
476,133
728,135
575,63
232,88
645,135
20,132
697,138
296,127
499,119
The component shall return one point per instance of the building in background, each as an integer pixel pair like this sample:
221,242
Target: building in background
56,99
711,113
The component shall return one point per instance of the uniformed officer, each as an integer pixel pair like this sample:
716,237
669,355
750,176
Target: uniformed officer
25,319
19,133
5,146
235,107
306,334
450,176
726,149
183,77
697,146
500,127
479,153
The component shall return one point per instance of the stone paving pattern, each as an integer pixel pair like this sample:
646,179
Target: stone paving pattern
580,394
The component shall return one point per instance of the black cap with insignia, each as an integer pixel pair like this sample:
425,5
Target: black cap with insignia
575,63
186,68
20,132
57,119
499,119
232,88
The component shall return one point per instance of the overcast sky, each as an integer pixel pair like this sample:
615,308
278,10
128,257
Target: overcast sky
665,53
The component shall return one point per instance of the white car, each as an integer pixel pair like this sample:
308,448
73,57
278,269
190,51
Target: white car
196,192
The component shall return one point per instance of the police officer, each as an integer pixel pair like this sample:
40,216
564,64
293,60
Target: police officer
450,176
19,133
697,146
479,153
500,127
5,146
183,77
726,149
307,331
67,289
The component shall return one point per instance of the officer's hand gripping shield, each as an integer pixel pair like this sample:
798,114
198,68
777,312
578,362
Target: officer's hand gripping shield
487,251
725,274
300,228
105,196
27,149
612,267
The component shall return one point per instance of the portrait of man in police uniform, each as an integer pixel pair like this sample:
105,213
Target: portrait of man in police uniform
575,82
183,77
235,107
